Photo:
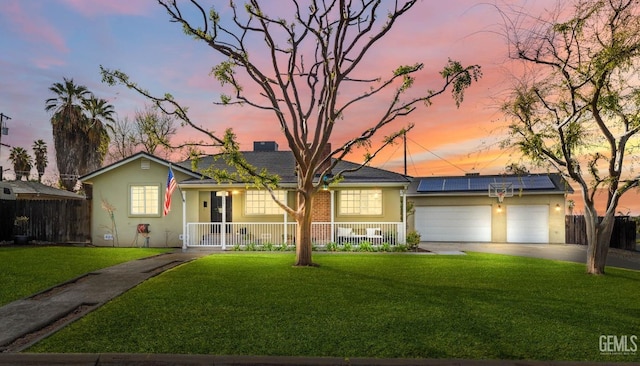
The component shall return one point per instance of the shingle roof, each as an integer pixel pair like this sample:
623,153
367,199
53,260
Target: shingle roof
39,190
282,163
138,155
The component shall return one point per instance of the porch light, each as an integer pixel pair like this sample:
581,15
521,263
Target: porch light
558,207
325,183
499,208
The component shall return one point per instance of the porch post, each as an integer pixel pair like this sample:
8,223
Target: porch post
332,205
185,235
403,193
223,229
285,237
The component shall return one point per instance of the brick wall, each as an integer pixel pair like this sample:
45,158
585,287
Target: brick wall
322,207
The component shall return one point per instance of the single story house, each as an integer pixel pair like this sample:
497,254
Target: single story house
129,196
367,205
498,208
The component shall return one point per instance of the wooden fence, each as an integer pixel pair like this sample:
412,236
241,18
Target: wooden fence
55,221
623,236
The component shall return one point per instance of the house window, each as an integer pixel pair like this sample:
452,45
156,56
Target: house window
361,202
261,203
145,200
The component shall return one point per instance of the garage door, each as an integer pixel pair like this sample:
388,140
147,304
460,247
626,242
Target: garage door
454,223
528,224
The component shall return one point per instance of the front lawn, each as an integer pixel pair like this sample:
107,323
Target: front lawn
479,306
27,270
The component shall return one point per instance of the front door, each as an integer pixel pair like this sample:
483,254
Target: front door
216,207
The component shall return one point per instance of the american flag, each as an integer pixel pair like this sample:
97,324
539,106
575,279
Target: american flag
171,186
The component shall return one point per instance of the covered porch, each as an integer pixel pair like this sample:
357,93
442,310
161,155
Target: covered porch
229,235
225,218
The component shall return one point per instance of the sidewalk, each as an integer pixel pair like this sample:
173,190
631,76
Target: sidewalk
113,359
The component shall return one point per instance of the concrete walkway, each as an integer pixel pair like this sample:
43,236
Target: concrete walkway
24,322
563,252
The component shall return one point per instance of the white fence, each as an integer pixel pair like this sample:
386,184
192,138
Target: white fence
225,235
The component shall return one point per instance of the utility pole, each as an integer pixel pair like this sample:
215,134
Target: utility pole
3,131
404,138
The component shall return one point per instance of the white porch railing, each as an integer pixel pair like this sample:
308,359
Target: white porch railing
224,235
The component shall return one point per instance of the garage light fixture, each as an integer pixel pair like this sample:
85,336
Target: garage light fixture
557,207
499,208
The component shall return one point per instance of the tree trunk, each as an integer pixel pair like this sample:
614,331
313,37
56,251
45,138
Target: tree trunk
67,157
598,239
303,232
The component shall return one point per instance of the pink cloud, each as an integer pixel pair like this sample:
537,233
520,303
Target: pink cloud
47,62
35,27
102,8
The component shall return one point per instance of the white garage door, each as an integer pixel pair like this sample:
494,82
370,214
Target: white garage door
528,224
454,223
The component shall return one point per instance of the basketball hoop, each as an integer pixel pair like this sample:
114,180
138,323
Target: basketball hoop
500,190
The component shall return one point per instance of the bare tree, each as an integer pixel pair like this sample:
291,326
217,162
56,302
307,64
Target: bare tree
150,131
579,109
123,141
306,65
153,129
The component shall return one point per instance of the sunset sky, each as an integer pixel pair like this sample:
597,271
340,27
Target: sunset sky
45,41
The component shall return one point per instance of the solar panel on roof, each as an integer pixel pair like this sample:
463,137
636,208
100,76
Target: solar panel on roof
456,184
430,185
480,184
538,182
475,183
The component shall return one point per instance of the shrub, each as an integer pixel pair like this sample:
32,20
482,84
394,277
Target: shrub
331,247
400,248
269,247
347,247
385,247
413,239
365,246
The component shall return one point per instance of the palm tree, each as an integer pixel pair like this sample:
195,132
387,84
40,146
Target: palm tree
68,125
40,152
22,162
99,117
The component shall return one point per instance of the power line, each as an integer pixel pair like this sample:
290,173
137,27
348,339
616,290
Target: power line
439,157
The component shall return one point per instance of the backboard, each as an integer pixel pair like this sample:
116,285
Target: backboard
501,190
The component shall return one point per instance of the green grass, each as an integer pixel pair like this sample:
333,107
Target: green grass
479,306
28,270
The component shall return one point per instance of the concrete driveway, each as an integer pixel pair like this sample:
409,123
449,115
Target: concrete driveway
563,252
